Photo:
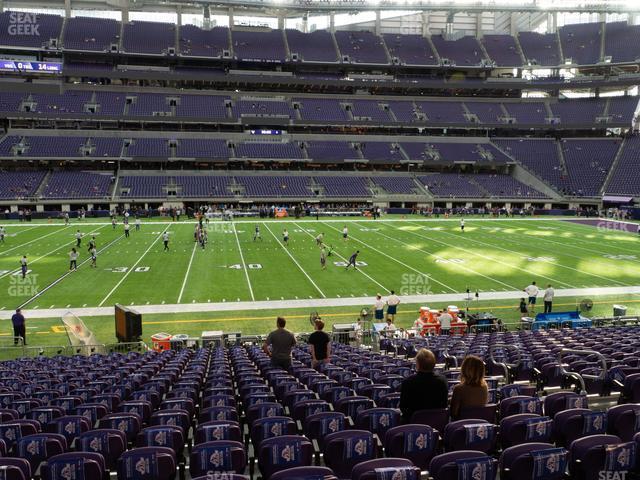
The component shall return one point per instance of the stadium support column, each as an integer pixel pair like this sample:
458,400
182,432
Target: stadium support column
332,21
513,24
231,21
425,23
125,12
378,23
479,25
305,22
67,8
552,21
281,23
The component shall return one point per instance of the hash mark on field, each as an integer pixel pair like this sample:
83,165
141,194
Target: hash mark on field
68,306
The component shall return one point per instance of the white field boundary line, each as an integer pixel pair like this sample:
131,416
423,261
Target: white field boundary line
244,265
444,298
22,245
475,254
425,275
30,262
496,247
494,280
345,259
62,277
573,245
132,267
186,275
296,262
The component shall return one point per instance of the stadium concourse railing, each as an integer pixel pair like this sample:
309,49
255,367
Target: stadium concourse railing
11,351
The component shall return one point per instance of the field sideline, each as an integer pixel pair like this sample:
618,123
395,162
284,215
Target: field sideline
413,256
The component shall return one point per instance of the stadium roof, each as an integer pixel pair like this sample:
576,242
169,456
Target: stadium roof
470,6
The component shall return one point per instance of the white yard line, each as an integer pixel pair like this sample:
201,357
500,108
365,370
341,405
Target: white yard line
62,277
186,275
496,247
446,298
581,228
244,266
425,275
295,261
22,245
345,259
571,245
30,262
558,282
495,280
132,267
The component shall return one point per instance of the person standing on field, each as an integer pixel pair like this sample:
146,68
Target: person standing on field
548,299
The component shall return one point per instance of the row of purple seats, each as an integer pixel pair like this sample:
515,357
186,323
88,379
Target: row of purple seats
619,110
77,185
580,42
622,180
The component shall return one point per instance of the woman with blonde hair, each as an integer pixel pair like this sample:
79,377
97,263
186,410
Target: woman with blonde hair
472,391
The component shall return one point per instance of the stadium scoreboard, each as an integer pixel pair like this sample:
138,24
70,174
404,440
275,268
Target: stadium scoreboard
28,66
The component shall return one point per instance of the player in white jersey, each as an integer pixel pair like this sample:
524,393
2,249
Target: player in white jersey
94,257
23,266
2,234
285,236
345,233
165,239
462,225
78,238
320,239
256,234
73,259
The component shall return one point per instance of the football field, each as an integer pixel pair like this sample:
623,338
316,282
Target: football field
413,256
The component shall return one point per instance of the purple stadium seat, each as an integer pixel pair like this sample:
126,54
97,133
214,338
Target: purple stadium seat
39,447
588,456
109,443
73,465
16,468
518,462
418,443
162,436
217,456
435,418
450,466
343,450
468,434
376,469
157,463
524,428
270,427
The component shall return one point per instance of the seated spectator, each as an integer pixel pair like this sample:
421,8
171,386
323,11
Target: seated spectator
425,390
472,391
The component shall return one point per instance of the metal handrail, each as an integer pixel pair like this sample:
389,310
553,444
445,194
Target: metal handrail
445,353
504,365
580,377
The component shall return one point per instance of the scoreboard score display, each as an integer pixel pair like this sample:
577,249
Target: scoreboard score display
28,66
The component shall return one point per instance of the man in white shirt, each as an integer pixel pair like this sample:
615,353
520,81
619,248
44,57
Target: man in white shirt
392,306
532,292
445,319
548,299
378,308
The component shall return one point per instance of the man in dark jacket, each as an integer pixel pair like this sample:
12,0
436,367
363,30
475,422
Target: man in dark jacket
424,390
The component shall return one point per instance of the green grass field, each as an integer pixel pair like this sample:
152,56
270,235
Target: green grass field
425,259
